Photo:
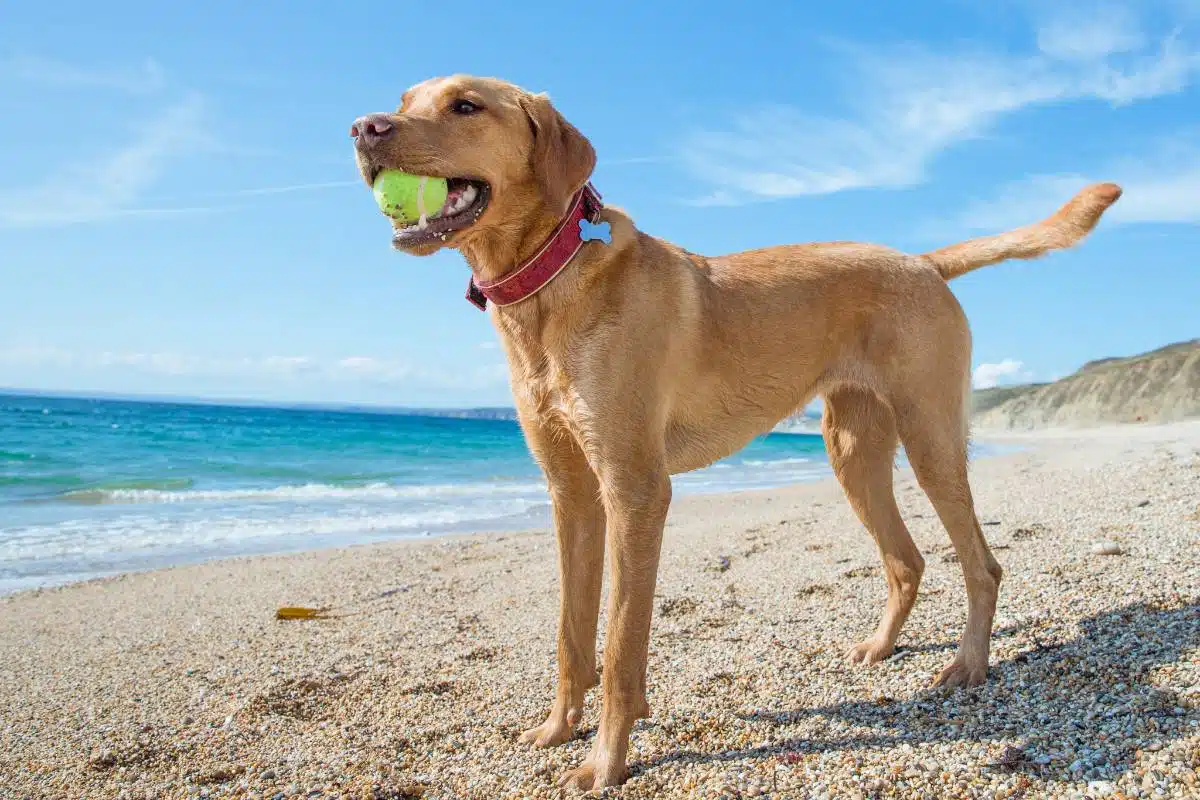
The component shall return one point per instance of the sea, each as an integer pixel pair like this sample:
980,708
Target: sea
93,487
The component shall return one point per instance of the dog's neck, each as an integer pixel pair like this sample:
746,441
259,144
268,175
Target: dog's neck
554,251
505,247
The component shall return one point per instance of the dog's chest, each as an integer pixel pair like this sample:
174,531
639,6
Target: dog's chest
551,392
543,385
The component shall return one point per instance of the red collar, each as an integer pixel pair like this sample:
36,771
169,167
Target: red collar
543,266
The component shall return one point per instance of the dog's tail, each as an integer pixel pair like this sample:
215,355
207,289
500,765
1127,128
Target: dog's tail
1066,228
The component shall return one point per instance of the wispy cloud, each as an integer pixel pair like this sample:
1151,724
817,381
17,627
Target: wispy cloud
110,185
189,203
346,370
374,370
144,78
1162,187
909,104
292,189
176,364
390,372
121,182
321,186
632,160
1007,371
36,356
156,363
1078,34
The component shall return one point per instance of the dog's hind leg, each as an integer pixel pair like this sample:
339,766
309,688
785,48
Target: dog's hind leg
860,435
934,433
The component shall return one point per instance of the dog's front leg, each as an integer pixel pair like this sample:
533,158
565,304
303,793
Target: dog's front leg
579,527
636,502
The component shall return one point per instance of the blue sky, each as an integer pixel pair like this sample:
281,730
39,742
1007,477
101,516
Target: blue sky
179,211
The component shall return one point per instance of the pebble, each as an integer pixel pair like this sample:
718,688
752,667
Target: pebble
1107,549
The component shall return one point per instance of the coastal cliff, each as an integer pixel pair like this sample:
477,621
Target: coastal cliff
1159,386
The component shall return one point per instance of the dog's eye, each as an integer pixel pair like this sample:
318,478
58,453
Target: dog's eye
464,107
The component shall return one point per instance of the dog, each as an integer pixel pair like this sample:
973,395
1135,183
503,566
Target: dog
633,359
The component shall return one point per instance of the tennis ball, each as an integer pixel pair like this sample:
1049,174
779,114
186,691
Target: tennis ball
406,197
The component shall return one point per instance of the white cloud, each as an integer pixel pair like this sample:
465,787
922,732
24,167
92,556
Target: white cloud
911,103
1161,197
1090,34
272,190
1162,187
36,356
374,369
178,364
347,370
103,187
292,189
1007,371
398,373
144,78
117,184
289,365
632,161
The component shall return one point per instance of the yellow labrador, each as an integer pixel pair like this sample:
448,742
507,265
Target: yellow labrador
640,360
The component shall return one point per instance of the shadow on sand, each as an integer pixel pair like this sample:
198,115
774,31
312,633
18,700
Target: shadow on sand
1079,709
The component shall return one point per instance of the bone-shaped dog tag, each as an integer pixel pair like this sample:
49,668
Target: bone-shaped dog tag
595,231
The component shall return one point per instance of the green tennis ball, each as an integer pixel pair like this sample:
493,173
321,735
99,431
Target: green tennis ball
406,198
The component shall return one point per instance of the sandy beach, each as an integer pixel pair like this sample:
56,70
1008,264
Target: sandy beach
181,682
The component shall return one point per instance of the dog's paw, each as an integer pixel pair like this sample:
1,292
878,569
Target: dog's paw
960,672
869,651
593,774
548,734
554,731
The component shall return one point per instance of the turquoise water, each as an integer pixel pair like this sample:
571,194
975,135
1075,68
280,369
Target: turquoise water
93,487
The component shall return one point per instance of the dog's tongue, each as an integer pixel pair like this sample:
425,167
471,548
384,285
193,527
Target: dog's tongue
458,198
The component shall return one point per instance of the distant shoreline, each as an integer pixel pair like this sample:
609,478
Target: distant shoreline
365,513
505,413
93,486
1158,386
482,412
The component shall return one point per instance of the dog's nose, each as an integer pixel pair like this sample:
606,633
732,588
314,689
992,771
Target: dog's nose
372,128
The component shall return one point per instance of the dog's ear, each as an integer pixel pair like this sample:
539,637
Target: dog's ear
563,158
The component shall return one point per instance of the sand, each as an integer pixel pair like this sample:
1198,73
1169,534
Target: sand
180,682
